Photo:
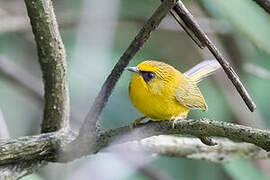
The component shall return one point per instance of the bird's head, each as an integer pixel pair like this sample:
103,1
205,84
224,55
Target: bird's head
153,74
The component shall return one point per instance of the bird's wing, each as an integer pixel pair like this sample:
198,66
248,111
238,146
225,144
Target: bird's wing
190,96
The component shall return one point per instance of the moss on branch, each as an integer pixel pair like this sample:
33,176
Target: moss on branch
38,147
48,146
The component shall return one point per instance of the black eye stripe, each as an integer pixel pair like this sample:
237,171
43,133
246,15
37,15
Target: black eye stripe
147,75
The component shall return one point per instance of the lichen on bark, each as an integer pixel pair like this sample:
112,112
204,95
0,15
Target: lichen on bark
52,59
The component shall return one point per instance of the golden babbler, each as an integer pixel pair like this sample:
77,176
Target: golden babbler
161,92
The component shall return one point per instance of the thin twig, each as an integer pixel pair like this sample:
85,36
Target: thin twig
89,126
257,71
4,133
13,72
52,59
186,16
265,4
186,27
31,84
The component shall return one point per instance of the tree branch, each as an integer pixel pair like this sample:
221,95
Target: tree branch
52,59
48,146
265,4
193,25
173,146
21,169
30,148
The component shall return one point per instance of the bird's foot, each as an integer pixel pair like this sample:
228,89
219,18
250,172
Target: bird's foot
175,119
137,121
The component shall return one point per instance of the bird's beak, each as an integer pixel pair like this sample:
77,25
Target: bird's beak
132,69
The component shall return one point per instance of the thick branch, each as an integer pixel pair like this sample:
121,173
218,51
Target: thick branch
44,146
265,4
30,148
88,129
21,169
197,31
52,58
192,148
198,128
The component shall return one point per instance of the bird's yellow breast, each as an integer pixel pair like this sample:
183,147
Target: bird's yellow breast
156,99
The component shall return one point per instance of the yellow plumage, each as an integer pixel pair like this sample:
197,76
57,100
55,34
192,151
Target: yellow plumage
161,92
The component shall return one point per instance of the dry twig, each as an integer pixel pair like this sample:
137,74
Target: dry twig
192,24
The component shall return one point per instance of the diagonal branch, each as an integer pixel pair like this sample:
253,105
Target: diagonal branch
88,129
52,59
20,76
31,84
193,25
46,146
265,4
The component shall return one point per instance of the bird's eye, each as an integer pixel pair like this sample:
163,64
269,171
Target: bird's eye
147,75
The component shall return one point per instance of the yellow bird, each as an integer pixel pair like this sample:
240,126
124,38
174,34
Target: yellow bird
161,92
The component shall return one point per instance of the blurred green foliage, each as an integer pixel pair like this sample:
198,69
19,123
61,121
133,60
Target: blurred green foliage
243,170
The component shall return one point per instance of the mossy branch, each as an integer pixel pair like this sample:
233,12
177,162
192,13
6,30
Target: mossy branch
48,146
21,169
52,59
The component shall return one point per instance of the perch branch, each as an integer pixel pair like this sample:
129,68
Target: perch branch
52,59
265,4
21,169
180,10
88,129
46,146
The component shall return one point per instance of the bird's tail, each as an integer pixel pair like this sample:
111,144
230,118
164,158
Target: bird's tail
202,70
